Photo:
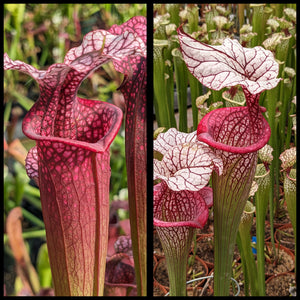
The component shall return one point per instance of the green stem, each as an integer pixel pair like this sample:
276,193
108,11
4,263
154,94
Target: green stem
7,113
244,265
196,91
260,235
33,201
278,9
169,80
259,19
33,191
230,197
271,207
271,108
289,126
261,201
224,244
176,251
163,104
215,96
193,18
177,275
29,235
181,87
251,267
18,20
241,17
23,100
32,218
285,87
244,233
290,198
210,23
173,10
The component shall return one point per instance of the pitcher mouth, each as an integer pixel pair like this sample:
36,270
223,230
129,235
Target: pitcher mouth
194,224
100,145
205,133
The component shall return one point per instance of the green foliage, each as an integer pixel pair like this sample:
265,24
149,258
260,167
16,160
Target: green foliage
43,267
118,179
218,22
271,26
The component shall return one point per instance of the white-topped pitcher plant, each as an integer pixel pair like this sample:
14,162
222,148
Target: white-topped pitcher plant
234,133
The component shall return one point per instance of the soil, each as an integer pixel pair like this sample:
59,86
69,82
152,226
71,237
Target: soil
205,250
283,263
157,248
232,292
196,270
157,291
285,235
282,216
161,274
280,285
267,229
